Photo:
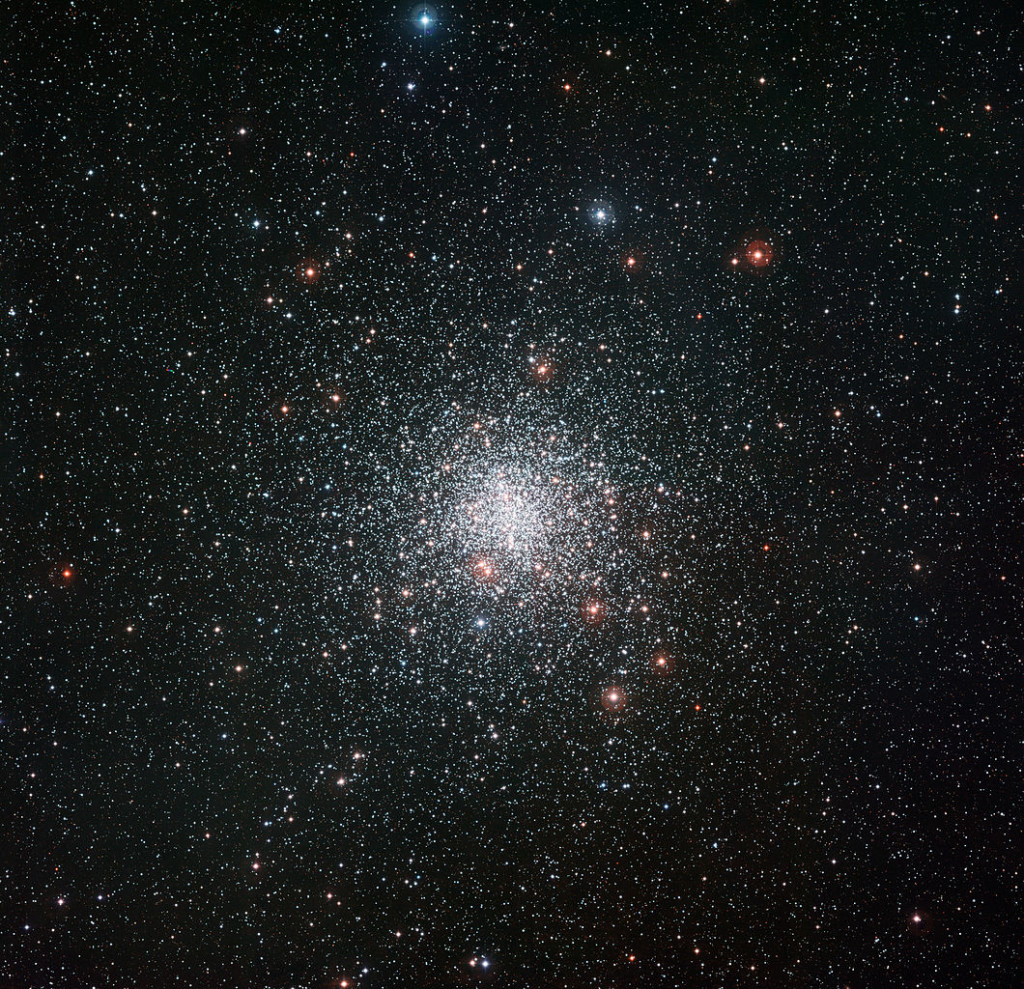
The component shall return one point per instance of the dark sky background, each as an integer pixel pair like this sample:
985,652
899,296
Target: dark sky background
509,495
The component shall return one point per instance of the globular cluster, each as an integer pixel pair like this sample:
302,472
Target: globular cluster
510,496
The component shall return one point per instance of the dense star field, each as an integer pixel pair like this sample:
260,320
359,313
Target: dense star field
511,496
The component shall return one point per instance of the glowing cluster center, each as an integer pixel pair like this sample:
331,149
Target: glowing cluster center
505,518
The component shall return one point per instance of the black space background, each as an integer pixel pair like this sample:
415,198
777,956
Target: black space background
825,789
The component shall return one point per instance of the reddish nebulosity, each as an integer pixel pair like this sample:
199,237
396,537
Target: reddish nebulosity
63,575
543,369
613,698
594,612
484,570
662,663
632,261
759,253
